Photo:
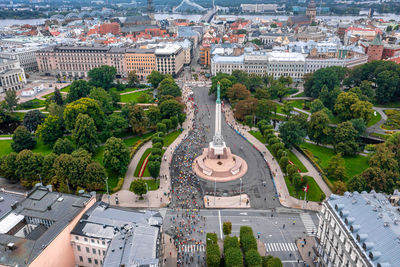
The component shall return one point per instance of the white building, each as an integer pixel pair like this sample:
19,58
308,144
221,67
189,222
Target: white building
26,57
277,64
359,230
12,76
170,59
255,8
110,236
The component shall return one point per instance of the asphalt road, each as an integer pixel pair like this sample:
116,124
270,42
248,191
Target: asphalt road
257,182
278,241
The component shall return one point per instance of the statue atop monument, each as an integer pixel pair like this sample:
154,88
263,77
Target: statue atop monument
218,143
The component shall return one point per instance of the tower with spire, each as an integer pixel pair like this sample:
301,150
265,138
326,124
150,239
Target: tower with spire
311,11
217,145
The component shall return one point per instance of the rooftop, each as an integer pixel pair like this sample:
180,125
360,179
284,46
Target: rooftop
56,208
373,223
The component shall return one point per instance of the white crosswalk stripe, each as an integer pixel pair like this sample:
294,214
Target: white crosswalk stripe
270,247
308,223
192,248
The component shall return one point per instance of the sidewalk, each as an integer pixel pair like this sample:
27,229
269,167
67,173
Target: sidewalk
160,197
284,196
306,249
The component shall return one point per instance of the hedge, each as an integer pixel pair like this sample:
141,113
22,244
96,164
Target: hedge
247,239
231,242
211,238
213,257
253,258
118,186
233,257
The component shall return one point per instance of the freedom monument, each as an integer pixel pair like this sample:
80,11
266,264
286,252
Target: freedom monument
217,163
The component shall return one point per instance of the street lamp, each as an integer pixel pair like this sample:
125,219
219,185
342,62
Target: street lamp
108,193
215,190
240,192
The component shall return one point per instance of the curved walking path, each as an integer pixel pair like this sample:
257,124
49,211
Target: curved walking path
160,197
376,128
279,180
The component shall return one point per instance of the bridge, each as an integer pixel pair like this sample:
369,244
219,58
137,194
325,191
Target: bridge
208,16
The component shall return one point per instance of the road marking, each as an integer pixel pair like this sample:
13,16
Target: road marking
243,213
308,223
220,224
270,247
192,248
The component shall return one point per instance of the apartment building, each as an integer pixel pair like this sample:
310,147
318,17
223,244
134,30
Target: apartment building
277,63
170,59
25,56
12,76
35,227
359,229
142,61
113,236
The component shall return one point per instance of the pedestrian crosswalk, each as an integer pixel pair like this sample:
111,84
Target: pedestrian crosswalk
192,248
308,223
270,247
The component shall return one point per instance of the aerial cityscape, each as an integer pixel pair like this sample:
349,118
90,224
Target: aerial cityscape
199,133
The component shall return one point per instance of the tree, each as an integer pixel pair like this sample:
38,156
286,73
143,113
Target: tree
84,133
168,87
58,97
237,92
11,99
50,130
253,258
227,228
116,155
362,110
287,109
360,126
270,261
168,123
264,109
292,133
282,91
137,119
8,166
262,93
328,98
77,90
155,78
154,168
64,167
133,79
284,162
345,139
291,170
22,139
339,187
170,108
32,119
116,123
103,99
357,183
102,76
138,186
161,127
318,127
233,257
329,77
316,105
154,115
387,83
83,105
336,169
63,146
95,175
343,105
245,107
29,166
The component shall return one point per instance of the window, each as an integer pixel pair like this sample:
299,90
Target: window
96,261
89,260
80,259
87,250
77,237
85,239
94,250
78,247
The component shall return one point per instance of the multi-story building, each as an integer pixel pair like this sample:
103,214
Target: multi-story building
111,236
359,229
26,57
205,57
142,61
257,8
12,76
278,64
35,228
170,59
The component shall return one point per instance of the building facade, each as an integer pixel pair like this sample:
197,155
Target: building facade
25,56
359,229
170,59
12,76
142,61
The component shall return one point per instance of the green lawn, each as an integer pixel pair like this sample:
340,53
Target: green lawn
292,157
153,184
6,135
31,104
65,89
170,138
313,194
5,147
125,90
146,171
374,119
383,136
354,165
299,95
394,104
48,95
297,103
135,97
259,136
